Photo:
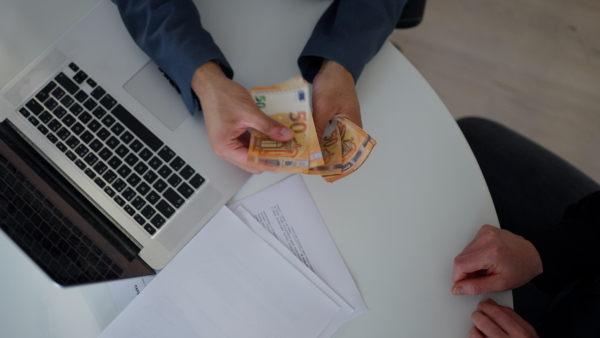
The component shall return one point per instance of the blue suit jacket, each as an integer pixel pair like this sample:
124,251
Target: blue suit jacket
350,32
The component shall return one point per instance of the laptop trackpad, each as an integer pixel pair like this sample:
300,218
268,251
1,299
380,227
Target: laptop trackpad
150,88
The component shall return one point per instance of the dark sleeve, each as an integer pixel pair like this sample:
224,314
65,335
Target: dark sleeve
570,249
170,32
350,32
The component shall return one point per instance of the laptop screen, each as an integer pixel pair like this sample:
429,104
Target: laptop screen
70,239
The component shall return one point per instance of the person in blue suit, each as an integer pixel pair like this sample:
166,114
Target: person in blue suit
347,36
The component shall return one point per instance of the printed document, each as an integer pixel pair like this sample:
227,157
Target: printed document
227,282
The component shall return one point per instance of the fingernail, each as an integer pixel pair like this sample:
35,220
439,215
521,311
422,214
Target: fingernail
286,132
458,290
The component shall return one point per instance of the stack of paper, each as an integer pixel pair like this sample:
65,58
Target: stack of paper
236,279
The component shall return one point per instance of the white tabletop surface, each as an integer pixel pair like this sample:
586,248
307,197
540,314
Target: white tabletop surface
398,221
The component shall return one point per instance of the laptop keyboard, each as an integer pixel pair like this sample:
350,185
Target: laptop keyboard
105,141
45,234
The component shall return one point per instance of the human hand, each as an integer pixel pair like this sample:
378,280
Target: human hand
496,260
229,111
492,321
334,95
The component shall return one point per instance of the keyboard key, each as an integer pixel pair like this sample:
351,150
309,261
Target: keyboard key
131,159
81,150
149,229
128,194
63,133
119,185
59,112
81,96
165,171
146,154
73,67
160,185
148,212
197,181
120,201
133,180
143,188
117,129
61,146
187,172
99,182
45,117
54,125
153,197
94,125
68,120
113,142
177,163
108,102
115,162
105,154
98,93
42,129
66,83
80,77
166,154
141,221
67,101
24,112
174,198
76,109
138,203
90,104
174,180
87,136
128,209
126,137
108,120
109,191
136,145
100,168
77,128
124,171
109,176
96,145
122,151
155,163
140,167
58,93
85,117
158,221
185,190
91,159
72,142
99,112
52,138
150,177
103,134
165,209
34,107
91,82
45,92
50,104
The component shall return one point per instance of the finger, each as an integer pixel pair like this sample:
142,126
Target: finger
266,125
470,263
238,155
477,286
487,326
475,333
512,325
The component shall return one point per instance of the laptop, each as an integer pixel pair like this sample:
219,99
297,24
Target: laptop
104,174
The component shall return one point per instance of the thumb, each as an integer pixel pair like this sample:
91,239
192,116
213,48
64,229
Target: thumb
273,129
477,286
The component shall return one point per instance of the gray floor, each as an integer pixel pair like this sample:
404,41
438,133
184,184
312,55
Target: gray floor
533,65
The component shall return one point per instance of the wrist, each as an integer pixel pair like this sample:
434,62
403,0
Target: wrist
336,69
205,76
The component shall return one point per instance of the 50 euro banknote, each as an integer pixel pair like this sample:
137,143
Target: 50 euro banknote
289,104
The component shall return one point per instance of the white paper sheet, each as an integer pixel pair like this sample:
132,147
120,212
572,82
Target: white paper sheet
288,212
227,282
345,312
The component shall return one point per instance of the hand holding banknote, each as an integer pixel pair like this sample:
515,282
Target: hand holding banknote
334,95
228,113
342,150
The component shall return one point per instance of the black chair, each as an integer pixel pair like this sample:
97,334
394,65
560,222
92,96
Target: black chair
412,14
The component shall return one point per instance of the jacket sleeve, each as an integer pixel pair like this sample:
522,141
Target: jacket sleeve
170,32
571,249
350,32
